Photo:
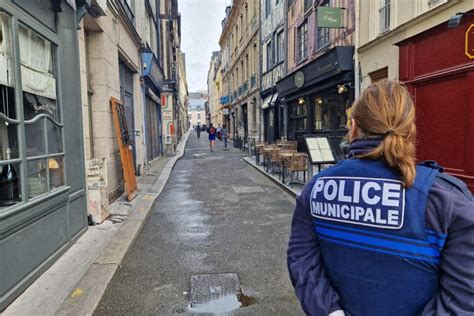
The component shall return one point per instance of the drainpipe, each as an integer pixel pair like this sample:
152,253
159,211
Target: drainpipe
143,87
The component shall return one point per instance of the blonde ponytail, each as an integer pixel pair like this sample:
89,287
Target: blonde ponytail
386,109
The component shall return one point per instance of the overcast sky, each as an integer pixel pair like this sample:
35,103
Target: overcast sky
200,32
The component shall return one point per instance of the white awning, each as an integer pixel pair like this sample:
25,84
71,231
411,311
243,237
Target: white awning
274,98
266,102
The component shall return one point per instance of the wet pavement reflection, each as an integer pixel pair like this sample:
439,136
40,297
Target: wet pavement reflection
215,215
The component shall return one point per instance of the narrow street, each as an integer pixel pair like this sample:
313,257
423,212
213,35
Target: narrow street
216,215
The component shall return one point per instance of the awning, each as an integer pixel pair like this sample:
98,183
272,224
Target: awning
266,102
274,99
269,101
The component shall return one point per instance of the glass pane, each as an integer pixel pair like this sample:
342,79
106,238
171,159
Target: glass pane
56,172
55,143
6,57
34,134
8,140
7,99
10,190
37,74
37,177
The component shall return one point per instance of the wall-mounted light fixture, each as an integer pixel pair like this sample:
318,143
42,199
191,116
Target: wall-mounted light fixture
341,88
301,101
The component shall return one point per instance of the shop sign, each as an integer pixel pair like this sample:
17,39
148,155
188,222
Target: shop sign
469,48
167,115
224,99
329,17
299,79
225,111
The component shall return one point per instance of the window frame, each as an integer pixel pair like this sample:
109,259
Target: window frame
280,42
269,54
20,18
385,12
302,41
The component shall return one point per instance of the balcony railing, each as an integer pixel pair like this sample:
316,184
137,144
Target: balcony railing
245,87
253,81
240,90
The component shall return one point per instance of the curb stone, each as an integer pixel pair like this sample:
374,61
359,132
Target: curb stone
85,297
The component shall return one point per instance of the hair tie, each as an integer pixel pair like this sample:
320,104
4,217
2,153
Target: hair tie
390,132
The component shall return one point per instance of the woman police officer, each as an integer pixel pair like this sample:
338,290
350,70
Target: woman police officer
377,234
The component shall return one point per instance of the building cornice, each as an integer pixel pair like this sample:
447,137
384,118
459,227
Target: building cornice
233,12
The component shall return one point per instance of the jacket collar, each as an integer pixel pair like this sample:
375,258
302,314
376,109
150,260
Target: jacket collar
363,145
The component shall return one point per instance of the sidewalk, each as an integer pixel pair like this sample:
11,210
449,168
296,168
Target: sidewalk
75,283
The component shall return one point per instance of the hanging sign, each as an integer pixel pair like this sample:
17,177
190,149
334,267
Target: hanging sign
329,17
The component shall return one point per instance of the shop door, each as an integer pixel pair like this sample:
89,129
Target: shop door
269,119
443,97
126,91
245,120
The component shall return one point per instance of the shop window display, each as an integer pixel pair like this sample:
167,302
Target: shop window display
43,130
9,150
41,158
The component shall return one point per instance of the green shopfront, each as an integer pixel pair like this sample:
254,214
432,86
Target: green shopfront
42,198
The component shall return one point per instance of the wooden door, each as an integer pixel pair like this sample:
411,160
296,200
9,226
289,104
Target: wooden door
126,149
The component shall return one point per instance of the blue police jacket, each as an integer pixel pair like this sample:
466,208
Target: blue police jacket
363,243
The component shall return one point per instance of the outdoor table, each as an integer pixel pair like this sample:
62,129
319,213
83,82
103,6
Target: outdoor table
267,152
258,151
285,157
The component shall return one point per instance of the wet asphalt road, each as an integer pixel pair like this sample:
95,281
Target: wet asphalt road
200,224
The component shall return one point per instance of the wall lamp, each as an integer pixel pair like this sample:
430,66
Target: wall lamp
455,20
341,88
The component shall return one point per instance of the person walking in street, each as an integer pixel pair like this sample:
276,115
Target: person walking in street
224,136
198,131
212,136
397,238
219,132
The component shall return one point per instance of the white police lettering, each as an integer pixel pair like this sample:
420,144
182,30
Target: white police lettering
360,201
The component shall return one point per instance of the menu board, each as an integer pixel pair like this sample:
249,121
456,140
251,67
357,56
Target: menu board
319,149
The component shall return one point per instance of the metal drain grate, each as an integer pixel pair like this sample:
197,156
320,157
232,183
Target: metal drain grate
242,190
206,288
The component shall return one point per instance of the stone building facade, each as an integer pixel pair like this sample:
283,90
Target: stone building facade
240,46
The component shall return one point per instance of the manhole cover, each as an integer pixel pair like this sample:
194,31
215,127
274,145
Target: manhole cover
242,190
207,288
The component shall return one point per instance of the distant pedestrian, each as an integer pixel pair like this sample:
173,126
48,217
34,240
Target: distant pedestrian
198,130
212,136
219,132
224,135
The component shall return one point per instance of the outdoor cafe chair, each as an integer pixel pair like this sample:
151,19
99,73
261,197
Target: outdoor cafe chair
298,163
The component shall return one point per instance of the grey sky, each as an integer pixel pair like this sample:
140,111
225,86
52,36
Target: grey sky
200,31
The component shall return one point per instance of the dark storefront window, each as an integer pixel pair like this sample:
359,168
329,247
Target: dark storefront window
43,150
298,114
329,113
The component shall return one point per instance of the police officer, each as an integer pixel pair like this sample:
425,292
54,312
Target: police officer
377,234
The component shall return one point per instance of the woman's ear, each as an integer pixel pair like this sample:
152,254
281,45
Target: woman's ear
354,130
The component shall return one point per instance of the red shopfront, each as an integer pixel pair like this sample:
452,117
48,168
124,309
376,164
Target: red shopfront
440,75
